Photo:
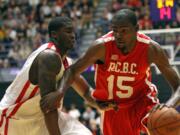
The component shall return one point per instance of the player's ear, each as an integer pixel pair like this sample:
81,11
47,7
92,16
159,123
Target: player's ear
54,34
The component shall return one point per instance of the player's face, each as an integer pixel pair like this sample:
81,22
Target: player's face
124,33
66,36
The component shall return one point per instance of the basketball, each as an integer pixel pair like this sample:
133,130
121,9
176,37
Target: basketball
164,122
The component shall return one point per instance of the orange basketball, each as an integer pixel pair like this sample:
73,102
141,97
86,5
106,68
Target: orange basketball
164,122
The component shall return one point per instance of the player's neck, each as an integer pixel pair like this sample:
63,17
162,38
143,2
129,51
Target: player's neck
128,48
61,50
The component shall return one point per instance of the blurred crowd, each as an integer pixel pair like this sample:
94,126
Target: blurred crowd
86,115
23,28
142,10
23,23
145,22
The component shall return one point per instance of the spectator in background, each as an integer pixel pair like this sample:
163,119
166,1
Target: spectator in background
2,34
94,127
145,23
74,112
88,114
14,55
35,14
1,64
178,15
28,19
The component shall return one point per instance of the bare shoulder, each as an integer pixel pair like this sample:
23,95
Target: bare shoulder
155,51
99,43
97,50
50,59
154,46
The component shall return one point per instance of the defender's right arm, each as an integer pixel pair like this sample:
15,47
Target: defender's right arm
49,66
93,54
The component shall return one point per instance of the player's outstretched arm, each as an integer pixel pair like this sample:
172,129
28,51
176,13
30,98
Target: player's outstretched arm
49,65
94,53
157,56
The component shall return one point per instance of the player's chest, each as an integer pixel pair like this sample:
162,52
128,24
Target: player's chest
126,66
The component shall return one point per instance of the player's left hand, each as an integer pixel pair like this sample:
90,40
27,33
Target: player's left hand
107,105
50,101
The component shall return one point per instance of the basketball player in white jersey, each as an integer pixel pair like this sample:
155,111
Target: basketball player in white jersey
20,108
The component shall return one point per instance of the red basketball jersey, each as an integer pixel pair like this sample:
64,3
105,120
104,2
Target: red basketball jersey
123,78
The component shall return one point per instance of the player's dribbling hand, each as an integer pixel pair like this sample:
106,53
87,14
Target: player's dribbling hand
156,107
50,101
107,105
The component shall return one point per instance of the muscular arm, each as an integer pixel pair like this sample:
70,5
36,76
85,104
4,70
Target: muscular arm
72,77
84,90
48,68
158,57
94,53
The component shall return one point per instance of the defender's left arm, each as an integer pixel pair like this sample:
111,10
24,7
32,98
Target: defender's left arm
81,86
157,56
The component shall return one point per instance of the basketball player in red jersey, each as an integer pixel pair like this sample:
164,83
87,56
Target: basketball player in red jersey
122,61
20,109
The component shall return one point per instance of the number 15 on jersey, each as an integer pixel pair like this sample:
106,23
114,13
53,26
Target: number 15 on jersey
127,90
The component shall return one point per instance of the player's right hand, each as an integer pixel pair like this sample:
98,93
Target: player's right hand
157,107
51,101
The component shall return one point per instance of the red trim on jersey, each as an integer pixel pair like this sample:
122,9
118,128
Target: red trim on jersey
26,86
6,127
10,115
50,44
15,109
21,95
143,36
19,98
65,61
33,92
2,115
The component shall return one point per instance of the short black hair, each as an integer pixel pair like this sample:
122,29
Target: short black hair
125,14
57,23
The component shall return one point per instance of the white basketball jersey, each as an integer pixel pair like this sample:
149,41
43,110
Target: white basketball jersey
20,112
21,89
